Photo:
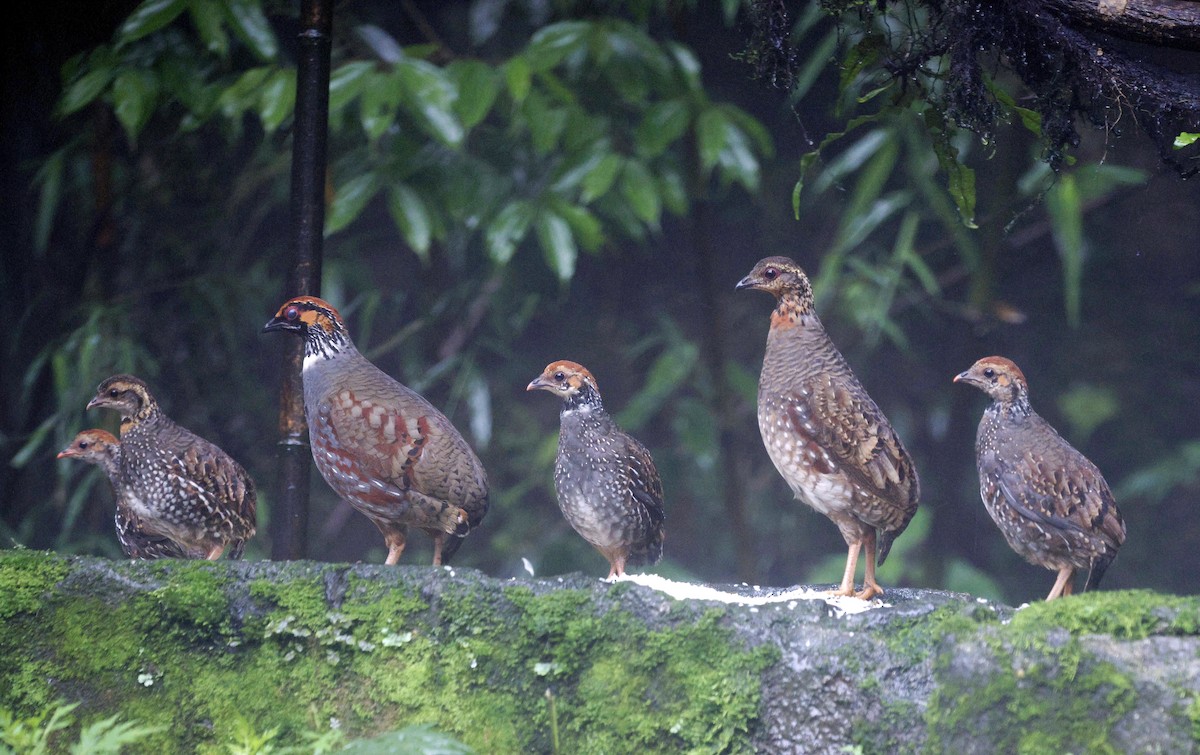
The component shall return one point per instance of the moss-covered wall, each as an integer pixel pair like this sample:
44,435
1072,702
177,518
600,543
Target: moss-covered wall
514,666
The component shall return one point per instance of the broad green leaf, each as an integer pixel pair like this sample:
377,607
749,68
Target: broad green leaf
687,64
851,159
557,242
208,19
507,230
1086,407
550,44
349,201
672,189
640,190
148,18
347,82
518,76
546,122
278,98
816,64
429,94
1184,139
584,224
663,124
135,95
960,179
711,134
252,27
601,177
411,216
477,89
1065,208
242,95
381,95
84,90
737,160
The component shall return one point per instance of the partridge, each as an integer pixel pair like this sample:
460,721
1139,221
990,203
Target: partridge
177,485
380,445
1051,504
100,448
607,485
825,435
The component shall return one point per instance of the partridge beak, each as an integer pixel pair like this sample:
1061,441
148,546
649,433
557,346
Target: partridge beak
962,377
277,323
747,282
536,383
63,454
93,403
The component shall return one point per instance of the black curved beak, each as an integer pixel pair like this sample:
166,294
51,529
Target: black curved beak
278,323
747,282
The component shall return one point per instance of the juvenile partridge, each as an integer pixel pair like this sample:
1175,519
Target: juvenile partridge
1052,504
825,435
176,484
102,449
607,485
380,445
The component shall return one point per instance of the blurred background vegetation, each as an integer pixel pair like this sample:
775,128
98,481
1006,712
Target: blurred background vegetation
517,181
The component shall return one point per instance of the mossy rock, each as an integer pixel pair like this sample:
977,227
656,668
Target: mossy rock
583,666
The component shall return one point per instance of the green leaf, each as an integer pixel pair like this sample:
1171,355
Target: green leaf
640,190
49,180
663,124
277,98
347,82
148,18
243,94
477,89
411,216
1065,208
350,200
672,189
429,94
960,179
135,95
557,242
601,177
507,229
712,134
208,19
1086,407
252,27
518,76
546,123
552,43
1185,138
381,95
84,90
584,224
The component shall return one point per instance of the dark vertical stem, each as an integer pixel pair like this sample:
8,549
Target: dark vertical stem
290,522
714,355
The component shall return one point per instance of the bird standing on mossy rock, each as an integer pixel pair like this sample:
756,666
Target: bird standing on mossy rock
101,448
825,435
379,444
608,487
177,484
1050,502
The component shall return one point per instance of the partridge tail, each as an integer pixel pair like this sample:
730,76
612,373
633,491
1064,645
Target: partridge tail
1096,573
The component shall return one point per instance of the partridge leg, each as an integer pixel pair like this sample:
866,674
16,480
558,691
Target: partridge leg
1062,585
439,539
215,552
395,540
847,587
870,587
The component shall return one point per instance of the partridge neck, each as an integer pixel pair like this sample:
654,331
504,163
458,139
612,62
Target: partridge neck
792,310
1014,408
584,403
321,346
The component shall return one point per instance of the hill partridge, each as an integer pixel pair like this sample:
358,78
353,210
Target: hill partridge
100,448
380,445
607,485
825,435
1052,504
176,484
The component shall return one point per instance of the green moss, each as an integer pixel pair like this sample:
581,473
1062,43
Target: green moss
1041,692
202,653
1124,614
25,578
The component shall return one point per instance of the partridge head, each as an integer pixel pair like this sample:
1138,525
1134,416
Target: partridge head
1050,502
608,488
381,446
825,435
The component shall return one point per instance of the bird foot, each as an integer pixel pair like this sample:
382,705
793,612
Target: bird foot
868,592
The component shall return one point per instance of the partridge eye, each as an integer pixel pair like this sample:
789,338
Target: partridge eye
989,373
559,376
113,392
770,273
83,444
291,313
